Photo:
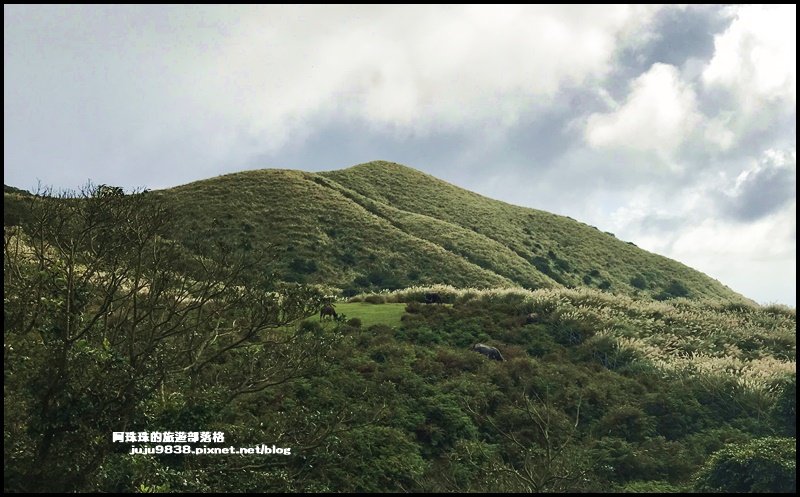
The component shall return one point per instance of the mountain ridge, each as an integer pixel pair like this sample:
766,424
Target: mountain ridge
494,242
383,225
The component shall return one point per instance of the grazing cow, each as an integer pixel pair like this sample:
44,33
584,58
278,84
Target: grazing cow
327,310
490,352
433,298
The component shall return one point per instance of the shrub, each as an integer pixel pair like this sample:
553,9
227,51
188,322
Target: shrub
349,292
627,422
303,266
570,333
354,322
639,282
375,299
673,290
413,307
541,264
762,465
785,409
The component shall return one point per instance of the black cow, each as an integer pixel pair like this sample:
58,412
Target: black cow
328,310
490,352
433,298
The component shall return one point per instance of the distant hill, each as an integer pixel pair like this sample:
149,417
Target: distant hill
382,225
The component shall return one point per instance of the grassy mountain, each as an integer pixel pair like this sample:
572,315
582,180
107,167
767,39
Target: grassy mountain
121,317
383,225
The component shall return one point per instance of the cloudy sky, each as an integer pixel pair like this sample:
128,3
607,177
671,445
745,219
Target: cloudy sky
674,128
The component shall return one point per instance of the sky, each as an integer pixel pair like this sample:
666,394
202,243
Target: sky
672,127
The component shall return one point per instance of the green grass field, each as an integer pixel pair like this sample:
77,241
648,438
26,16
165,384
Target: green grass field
369,314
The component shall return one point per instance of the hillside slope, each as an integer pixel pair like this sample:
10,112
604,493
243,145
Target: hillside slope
317,234
383,225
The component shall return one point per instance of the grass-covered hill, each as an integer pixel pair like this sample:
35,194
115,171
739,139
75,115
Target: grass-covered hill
381,225
142,314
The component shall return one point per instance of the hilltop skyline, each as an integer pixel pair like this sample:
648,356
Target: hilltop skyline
674,128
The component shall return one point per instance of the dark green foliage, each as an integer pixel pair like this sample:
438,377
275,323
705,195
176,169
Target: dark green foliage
370,459
627,422
677,412
86,355
785,409
413,307
541,264
563,265
375,299
673,290
303,266
380,279
347,259
639,282
605,352
571,333
13,208
350,292
761,465
413,409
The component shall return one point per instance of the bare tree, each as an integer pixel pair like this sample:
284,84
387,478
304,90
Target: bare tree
542,452
105,317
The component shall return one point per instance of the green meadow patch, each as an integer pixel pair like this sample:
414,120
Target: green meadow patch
370,314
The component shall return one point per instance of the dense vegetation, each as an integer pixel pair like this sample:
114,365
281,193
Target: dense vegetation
114,321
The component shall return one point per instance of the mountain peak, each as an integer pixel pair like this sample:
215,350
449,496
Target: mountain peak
382,167
384,225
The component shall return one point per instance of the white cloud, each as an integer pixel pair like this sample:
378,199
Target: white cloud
772,160
738,228
209,84
754,65
659,114
766,239
411,68
757,259
756,57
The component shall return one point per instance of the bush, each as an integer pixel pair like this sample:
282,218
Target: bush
303,266
639,282
354,322
413,307
627,422
762,465
673,290
785,409
349,292
375,299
